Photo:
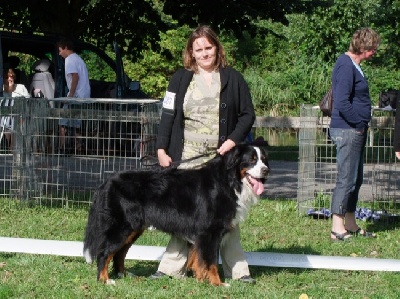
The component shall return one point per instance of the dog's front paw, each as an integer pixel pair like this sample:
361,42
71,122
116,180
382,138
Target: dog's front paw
110,281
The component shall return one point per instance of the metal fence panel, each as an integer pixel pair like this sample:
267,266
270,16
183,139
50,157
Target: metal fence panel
317,165
113,135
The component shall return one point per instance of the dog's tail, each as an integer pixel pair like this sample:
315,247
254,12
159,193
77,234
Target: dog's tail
90,242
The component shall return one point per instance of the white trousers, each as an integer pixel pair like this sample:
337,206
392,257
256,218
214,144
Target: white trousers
234,264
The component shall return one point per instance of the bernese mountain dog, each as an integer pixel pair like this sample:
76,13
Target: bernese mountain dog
199,205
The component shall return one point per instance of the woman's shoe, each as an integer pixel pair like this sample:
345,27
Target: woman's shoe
247,279
362,233
157,275
341,237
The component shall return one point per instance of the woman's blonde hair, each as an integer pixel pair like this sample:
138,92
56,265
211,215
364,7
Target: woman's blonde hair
364,39
203,31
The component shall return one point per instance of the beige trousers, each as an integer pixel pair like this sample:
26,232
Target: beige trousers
233,258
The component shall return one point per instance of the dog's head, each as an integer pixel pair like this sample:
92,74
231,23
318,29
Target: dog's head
251,163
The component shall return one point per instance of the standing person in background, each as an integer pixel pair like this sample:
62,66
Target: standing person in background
207,110
77,78
396,137
11,90
348,129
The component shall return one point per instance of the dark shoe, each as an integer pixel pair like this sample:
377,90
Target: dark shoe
247,279
364,233
341,237
157,275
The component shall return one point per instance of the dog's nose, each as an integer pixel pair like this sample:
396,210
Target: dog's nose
265,171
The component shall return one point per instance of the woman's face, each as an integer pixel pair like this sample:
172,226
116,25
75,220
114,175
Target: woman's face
204,53
367,54
9,80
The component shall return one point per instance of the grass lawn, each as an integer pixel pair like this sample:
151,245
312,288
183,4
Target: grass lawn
273,226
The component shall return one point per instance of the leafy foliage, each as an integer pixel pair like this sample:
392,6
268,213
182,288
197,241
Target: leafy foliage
327,31
99,70
277,93
155,68
135,24
235,15
285,49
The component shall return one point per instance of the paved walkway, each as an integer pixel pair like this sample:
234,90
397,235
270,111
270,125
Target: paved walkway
381,181
282,180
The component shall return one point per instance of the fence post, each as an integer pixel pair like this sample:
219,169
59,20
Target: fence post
307,156
24,177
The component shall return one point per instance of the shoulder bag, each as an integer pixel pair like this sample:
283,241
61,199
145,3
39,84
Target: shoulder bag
326,103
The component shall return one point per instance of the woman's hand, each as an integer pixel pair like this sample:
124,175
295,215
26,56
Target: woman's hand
226,147
163,158
398,155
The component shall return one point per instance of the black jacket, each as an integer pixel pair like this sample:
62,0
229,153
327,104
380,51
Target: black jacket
396,137
236,111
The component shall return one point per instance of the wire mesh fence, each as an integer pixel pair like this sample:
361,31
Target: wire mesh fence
279,131
379,194
58,156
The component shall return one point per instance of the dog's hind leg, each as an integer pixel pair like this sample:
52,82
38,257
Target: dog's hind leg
120,255
213,275
102,269
207,259
203,271
193,264
191,258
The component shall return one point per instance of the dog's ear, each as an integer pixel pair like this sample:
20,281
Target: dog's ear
232,158
264,156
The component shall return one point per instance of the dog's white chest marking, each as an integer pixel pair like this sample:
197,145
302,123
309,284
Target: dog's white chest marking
246,199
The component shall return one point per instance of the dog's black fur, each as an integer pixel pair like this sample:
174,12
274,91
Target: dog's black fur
199,205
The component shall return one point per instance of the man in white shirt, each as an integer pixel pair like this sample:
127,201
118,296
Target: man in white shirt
77,78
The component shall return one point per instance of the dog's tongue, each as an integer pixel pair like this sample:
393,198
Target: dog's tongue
258,187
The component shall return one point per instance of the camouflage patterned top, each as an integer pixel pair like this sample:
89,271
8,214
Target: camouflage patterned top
201,110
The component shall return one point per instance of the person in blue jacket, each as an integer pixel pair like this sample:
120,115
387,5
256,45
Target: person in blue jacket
348,129
207,110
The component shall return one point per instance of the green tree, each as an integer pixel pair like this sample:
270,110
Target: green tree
237,16
312,42
136,24
285,49
387,21
327,31
155,68
133,24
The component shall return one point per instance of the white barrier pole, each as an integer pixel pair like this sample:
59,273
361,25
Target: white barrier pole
154,253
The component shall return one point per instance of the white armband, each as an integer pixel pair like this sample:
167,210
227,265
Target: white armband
169,100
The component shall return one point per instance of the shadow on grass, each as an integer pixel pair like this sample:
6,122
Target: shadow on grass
383,225
145,269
